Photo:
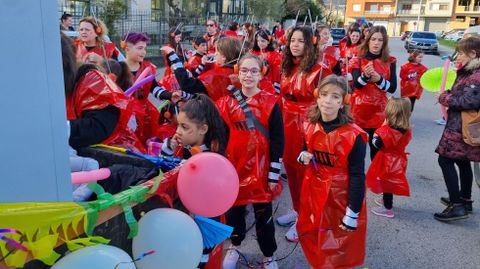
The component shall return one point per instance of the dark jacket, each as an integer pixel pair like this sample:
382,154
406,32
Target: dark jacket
465,95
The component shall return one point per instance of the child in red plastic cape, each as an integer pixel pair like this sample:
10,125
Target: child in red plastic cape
300,76
255,146
215,81
200,128
410,74
328,56
332,220
91,40
386,174
263,48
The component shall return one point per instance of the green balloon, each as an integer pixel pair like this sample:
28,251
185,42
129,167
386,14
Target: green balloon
432,79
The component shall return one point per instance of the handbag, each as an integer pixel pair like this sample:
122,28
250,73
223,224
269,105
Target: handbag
471,127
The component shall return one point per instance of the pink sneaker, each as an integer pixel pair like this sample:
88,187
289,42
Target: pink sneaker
382,211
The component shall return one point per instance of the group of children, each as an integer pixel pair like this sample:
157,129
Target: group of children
263,109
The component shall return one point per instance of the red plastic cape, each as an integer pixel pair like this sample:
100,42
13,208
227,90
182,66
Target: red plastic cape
105,51
325,199
388,168
368,103
297,92
217,80
411,87
249,150
96,91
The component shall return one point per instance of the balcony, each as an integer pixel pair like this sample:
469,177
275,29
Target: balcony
467,9
378,14
408,12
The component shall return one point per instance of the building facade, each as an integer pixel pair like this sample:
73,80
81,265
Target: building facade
466,14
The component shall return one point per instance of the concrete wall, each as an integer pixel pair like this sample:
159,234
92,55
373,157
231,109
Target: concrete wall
33,138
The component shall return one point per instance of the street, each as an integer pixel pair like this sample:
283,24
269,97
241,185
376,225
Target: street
413,239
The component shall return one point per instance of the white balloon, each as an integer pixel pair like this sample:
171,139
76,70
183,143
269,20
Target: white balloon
99,256
173,235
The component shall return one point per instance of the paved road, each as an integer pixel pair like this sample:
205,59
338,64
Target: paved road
413,239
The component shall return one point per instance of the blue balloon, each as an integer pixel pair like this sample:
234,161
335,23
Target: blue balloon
173,235
99,256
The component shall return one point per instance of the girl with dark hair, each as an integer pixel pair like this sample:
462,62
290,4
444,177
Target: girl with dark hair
327,55
410,74
300,76
200,129
332,221
387,172
374,75
66,22
452,149
215,81
263,47
349,49
92,32
173,41
232,29
255,151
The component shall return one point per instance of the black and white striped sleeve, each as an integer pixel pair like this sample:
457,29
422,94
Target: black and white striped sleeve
359,79
277,141
198,71
166,150
276,85
187,82
390,85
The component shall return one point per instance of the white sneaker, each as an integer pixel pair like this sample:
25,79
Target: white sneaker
440,122
292,234
269,263
288,219
231,258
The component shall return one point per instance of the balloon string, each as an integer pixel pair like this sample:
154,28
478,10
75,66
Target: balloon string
137,259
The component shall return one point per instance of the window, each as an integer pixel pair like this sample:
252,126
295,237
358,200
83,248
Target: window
460,18
387,8
357,7
373,7
463,2
406,6
434,7
443,7
157,8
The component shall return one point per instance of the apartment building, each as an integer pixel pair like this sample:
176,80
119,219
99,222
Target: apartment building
466,14
378,12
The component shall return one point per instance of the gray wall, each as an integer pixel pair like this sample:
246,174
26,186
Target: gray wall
33,133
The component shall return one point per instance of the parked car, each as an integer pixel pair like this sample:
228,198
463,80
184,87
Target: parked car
405,35
425,41
456,36
472,30
451,32
337,35
74,35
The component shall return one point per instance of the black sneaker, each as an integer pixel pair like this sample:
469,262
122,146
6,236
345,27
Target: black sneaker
452,212
468,203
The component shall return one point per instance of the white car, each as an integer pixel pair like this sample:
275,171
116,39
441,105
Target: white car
472,30
456,36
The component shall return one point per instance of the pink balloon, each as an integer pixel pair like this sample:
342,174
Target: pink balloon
89,176
208,184
144,74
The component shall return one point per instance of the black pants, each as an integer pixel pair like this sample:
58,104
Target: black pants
264,226
412,101
451,178
373,149
387,200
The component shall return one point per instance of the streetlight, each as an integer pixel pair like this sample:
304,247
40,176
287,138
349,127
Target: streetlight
418,17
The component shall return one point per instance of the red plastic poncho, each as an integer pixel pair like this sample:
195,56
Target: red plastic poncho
368,103
95,91
105,51
249,150
325,199
329,57
194,62
347,53
146,113
217,80
411,86
211,42
297,91
388,168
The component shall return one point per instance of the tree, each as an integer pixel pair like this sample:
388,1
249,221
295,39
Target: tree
266,9
110,11
301,7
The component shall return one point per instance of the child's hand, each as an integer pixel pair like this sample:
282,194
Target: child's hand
272,185
176,96
345,228
375,77
173,143
167,49
305,157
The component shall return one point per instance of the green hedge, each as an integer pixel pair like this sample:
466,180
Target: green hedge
448,43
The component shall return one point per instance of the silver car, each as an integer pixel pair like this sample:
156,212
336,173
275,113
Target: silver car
424,41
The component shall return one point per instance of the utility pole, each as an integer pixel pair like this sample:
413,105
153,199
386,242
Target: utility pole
336,16
418,17
395,12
